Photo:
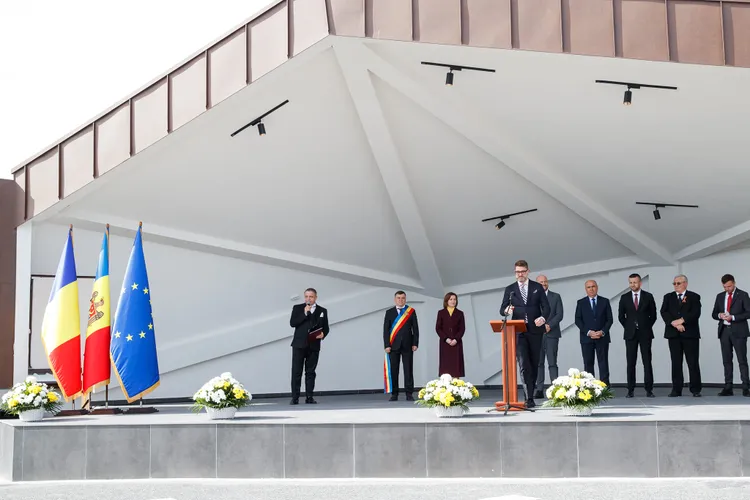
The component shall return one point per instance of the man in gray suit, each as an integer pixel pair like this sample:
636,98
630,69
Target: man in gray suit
551,337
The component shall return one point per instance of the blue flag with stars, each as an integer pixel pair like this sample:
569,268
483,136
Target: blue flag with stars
133,345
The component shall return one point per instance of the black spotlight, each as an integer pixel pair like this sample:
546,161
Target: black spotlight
500,224
627,101
449,78
657,215
261,129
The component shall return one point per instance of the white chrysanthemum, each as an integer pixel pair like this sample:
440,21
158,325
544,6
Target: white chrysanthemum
31,379
573,372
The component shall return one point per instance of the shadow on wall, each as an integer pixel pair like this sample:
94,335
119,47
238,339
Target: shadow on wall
11,215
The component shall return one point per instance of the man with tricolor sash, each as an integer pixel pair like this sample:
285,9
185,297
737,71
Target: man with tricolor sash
401,339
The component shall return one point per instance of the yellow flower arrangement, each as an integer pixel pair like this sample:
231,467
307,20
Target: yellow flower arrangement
30,395
577,390
222,392
447,392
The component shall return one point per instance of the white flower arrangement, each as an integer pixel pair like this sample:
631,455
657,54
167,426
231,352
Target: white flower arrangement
447,392
577,390
220,392
30,395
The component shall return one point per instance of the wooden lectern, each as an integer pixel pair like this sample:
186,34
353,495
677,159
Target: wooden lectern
508,330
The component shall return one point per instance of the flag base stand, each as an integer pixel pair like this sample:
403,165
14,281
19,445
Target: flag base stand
141,410
71,413
106,411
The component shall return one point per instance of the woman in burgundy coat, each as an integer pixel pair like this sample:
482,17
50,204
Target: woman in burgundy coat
450,328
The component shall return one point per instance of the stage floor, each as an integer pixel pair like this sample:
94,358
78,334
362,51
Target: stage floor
366,436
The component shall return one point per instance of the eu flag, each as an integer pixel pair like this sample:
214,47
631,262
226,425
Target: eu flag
133,345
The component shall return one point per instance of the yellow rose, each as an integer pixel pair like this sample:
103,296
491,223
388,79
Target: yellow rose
52,397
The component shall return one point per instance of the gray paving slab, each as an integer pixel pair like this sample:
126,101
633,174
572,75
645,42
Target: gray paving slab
390,489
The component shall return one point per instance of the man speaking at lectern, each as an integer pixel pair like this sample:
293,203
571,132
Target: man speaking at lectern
526,300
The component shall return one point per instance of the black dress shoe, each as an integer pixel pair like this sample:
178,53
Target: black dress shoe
674,394
409,397
310,401
696,394
294,401
530,403
629,394
650,394
726,392
746,393
393,398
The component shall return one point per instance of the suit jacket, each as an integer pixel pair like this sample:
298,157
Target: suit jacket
740,309
536,305
555,314
450,327
586,319
303,323
689,309
640,321
408,335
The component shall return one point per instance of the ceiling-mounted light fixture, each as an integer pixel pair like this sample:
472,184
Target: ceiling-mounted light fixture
456,67
503,218
258,122
657,206
628,99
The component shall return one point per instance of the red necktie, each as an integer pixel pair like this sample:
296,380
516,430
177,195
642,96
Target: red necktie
729,301
635,302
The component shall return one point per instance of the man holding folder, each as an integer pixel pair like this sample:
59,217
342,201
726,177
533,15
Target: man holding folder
310,323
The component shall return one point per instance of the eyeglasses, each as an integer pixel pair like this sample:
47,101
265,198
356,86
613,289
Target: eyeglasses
522,272
675,283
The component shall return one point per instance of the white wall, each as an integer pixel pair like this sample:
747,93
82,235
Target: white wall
215,314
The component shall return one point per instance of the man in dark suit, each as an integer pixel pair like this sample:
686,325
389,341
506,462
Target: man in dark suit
594,319
681,312
526,300
551,339
401,340
306,318
637,315
732,310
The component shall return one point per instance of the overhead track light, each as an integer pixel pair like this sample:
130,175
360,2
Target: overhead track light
503,218
628,99
456,67
657,206
258,122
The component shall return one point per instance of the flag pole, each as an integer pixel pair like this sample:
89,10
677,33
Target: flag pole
106,410
140,409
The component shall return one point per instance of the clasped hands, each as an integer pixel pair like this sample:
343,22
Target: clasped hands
725,316
679,324
596,334
451,342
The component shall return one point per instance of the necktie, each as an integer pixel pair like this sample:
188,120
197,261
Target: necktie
593,305
523,296
635,302
729,301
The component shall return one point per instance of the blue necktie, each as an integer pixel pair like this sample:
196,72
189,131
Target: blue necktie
593,306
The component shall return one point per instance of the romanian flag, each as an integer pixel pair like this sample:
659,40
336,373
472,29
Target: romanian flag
61,326
133,345
96,355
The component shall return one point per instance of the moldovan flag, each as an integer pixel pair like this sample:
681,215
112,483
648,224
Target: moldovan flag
133,346
61,326
96,354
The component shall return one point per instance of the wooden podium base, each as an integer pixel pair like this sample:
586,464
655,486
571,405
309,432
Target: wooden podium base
141,410
514,406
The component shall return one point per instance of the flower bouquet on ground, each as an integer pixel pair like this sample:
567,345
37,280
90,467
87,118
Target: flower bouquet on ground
449,396
30,399
578,393
221,397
